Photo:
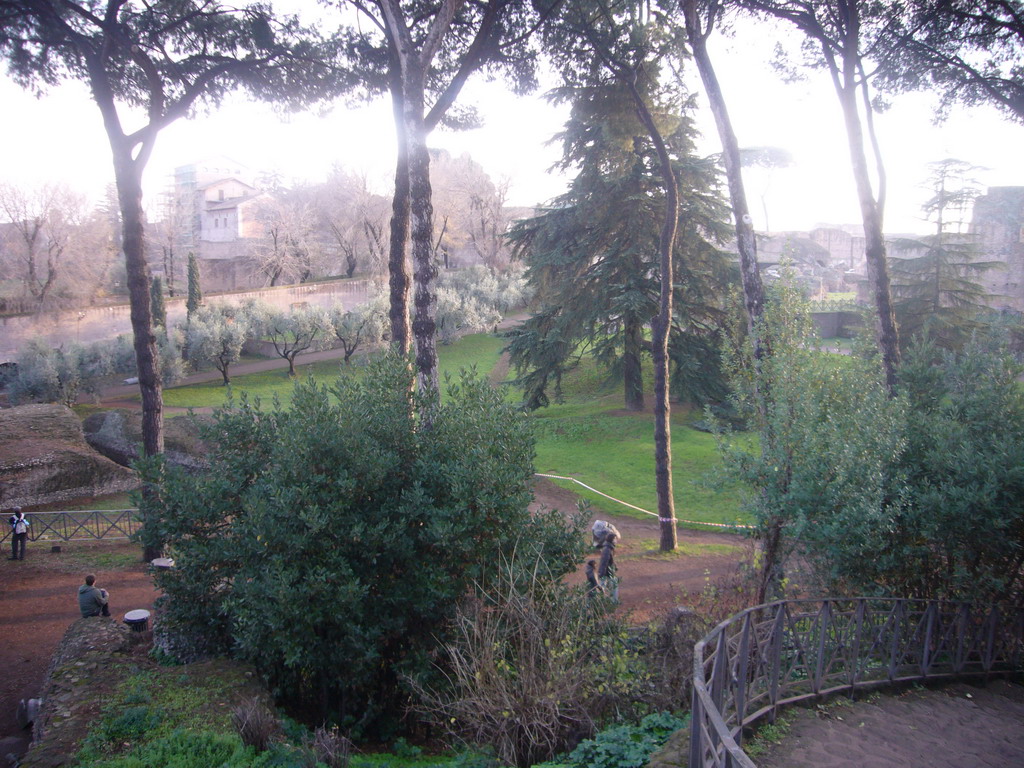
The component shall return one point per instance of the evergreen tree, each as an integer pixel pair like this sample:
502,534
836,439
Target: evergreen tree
195,291
592,256
936,295
156,292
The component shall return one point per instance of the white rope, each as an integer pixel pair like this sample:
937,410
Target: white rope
640,509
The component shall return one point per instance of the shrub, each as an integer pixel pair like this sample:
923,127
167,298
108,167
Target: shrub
190,749
330,543
534,667
623,746
921,495
329,747
255,724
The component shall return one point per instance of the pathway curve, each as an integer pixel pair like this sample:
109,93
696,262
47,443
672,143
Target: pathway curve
955,726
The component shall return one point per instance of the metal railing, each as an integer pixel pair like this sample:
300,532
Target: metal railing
85,525
783,652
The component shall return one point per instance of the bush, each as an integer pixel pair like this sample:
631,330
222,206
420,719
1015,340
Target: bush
330,543
255,724
921,495
329,747
623,746
535,666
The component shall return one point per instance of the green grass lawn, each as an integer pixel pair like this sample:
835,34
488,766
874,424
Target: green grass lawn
589,436
482,350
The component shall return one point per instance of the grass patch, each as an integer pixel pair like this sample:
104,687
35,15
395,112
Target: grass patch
685,548
264,385
767,736
104,558
588,436
591,438
481,350
149,705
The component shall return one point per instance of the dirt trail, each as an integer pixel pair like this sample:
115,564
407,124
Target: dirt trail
38,601
38,595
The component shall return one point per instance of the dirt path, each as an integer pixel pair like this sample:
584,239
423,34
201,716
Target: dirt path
38,601
653,583
956,726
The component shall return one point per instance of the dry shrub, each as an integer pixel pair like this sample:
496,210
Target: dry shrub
255,723
330,747
724,598
668,655
532,668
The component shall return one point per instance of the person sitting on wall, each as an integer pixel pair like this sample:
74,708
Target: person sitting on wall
91,599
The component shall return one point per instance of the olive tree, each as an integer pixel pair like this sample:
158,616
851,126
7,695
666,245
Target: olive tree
303,329
215,336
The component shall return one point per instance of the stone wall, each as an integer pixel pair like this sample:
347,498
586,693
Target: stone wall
998,222
98,323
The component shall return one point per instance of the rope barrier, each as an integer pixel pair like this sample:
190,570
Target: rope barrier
641,509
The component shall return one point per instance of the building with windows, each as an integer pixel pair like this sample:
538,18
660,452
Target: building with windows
216,201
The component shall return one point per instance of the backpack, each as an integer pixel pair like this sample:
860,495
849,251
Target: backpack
20,525
602,529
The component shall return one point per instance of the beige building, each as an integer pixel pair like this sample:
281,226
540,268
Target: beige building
220,200
998,223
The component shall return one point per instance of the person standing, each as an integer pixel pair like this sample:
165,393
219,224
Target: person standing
19,534
92,600
605,536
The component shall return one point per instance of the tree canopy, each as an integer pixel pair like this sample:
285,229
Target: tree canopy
339,535
968,51
592,255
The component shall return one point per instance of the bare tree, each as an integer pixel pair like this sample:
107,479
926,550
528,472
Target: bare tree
356,220
289,249
471,209
46,220
172,235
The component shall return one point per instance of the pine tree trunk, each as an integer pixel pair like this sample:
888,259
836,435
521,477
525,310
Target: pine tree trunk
661,327
750,275
398,265
424,270
886,333
632,372
128,174
129,189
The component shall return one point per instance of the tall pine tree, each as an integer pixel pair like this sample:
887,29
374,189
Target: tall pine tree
936,294
592,256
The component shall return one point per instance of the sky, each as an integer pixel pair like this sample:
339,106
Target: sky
59,138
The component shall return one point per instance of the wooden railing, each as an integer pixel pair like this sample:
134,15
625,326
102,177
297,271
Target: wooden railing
776,654
85,525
